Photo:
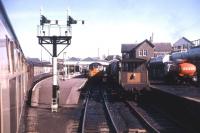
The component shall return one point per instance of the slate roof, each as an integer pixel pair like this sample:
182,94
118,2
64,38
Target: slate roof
74,59
127,47
183,41
36,61
33,60
145,41
162,47
88,59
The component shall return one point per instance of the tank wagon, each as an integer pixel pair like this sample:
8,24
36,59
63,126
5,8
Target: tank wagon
177,68
191,56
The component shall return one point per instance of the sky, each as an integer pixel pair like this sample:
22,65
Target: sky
108,23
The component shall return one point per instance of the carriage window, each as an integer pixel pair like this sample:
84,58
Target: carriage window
20,61
3,56
8,54
12,56
16,53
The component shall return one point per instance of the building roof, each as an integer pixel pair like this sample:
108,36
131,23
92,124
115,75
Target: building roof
183,41
162,47
151,44
74,59
127,47
88,59
33,60
36,61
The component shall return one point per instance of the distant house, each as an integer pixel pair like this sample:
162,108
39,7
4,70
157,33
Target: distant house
88,59
34,61
196,42
47,66
162,49
143,50
182,45
70,63
111,57
37,62
74,64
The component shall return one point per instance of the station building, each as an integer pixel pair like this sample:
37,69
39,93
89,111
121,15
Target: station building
74,65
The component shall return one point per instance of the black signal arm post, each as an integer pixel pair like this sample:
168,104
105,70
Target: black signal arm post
54,40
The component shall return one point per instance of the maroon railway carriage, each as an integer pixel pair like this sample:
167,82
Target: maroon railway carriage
16,77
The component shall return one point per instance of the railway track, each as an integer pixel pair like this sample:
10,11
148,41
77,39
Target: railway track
105,111
156,120
94,116
122,118
104,114
153,117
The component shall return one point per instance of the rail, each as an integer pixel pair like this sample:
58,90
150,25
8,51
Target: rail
84,115
142,118
155,119
94,117
116,129
122,118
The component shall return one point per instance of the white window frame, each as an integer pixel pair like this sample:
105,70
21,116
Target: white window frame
145,52
140,52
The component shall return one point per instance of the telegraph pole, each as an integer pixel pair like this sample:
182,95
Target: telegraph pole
46,36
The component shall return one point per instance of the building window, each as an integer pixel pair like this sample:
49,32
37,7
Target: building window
125,55
140,52
144,52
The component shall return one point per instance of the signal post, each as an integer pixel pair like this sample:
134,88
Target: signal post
60,35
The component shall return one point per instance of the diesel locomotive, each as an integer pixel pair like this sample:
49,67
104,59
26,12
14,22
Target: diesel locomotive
95,69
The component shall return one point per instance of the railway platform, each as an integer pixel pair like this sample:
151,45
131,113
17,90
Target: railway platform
188,92
39,117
